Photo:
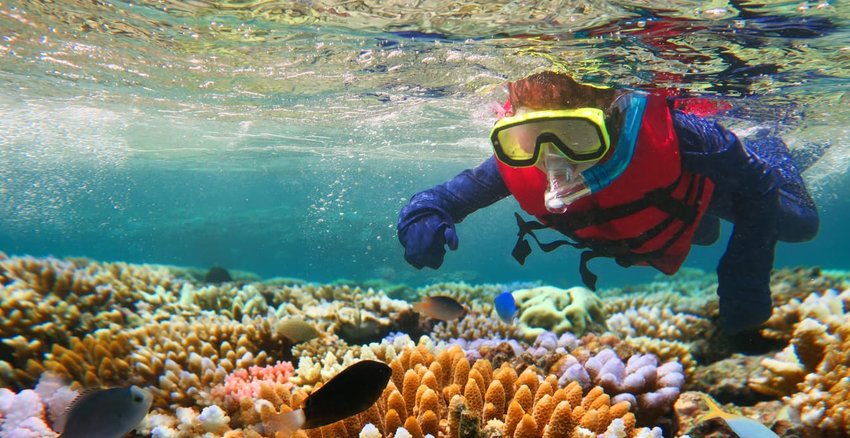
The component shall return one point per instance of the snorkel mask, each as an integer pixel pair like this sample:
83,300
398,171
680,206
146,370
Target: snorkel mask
560,142
567,145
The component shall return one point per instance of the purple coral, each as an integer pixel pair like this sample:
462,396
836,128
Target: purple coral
574,371
23,415
649,388
547,342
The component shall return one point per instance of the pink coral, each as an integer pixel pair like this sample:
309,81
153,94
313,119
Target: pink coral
245,383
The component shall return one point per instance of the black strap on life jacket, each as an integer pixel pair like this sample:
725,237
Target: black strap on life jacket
622,250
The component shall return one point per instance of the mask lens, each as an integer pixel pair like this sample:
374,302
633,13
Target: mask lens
519,143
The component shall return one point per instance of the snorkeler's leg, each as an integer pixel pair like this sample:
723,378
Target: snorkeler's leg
746,194
798,217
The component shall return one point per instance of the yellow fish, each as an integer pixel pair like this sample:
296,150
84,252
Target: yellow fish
297,330
743,426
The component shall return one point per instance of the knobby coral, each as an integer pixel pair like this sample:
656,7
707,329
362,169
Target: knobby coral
557,310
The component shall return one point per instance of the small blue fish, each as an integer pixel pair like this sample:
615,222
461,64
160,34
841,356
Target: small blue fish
743,426
506,306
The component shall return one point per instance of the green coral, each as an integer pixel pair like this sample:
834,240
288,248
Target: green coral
548,308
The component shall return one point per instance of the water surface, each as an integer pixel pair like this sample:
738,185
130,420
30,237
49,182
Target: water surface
283,137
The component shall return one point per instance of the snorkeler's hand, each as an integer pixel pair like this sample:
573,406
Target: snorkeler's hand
424,238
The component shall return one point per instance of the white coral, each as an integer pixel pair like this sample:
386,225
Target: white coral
213,419
370,431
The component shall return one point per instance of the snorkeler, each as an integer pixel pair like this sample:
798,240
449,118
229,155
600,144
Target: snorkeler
627,175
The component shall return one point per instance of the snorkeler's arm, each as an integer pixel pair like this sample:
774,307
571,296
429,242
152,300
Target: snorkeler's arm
426,225
743,273
470,190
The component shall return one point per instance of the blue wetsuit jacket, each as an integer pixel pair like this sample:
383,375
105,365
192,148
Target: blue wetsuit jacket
757,187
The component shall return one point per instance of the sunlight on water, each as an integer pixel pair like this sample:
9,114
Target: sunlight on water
245,129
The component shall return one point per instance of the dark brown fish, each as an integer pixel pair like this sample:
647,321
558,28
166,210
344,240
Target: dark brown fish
440,307
350,392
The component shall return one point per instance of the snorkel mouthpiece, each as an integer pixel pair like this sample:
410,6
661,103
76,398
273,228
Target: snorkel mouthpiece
565,185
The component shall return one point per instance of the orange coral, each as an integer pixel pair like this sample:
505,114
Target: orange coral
553,412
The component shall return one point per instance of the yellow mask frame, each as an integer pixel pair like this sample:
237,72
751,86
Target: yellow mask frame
579,134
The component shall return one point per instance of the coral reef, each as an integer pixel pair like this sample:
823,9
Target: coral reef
437,391
218,360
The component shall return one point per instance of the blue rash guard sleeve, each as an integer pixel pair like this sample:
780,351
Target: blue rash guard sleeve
760,191
427,223
470,190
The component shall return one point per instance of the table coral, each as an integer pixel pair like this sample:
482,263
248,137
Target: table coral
557,310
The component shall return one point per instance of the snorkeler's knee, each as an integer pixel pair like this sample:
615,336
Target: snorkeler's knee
802,227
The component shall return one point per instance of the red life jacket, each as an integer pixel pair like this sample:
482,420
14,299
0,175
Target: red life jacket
646,216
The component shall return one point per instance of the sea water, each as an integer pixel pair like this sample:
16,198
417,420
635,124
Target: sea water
282,138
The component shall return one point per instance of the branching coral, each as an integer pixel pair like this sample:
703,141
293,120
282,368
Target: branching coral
474,325
796,283
814,370
660,323
209,353
49,302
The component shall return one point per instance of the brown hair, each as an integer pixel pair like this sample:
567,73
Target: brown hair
552,90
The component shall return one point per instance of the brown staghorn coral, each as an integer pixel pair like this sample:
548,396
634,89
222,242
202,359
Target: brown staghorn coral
355,315
790,283
179,360
781,324
45,303
703,305
100,323
813,321
475,325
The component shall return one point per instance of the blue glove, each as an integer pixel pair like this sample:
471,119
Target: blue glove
427,223
424,236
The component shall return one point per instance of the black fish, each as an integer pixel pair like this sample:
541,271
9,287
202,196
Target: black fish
350,392
217,274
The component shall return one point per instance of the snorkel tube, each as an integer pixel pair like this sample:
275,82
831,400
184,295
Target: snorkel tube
565,186
601,175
